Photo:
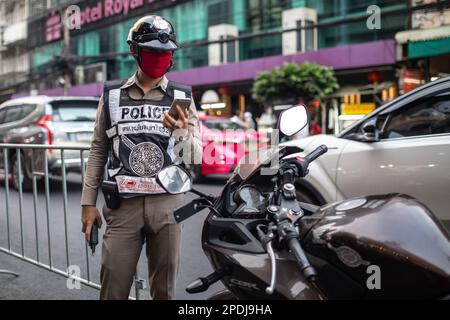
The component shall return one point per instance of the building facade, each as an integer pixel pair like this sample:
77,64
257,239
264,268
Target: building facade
225,43
14,57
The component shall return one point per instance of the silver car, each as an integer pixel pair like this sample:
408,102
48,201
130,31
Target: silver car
45,120
404,147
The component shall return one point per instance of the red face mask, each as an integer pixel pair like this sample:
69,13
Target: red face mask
155,64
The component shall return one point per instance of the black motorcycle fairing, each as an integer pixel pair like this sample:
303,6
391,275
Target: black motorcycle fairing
394,233
243,284
233,234
248,275
334,283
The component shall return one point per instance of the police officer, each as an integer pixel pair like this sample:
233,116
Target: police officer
136,137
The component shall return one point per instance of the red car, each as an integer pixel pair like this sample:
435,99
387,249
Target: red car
224,143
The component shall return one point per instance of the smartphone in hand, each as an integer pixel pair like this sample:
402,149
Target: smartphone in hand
183,103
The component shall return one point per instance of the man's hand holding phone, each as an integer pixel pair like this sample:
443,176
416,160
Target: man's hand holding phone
177,118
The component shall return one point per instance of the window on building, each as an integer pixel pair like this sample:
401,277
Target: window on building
265,14
309,35
108,39
231,50
222,58
219,13
299,36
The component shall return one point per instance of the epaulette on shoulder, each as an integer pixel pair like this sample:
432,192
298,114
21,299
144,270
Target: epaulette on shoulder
114,84
180,86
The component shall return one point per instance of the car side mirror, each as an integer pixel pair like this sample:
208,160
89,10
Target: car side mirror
369,131
175,180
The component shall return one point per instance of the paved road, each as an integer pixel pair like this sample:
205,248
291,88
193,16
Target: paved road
194,262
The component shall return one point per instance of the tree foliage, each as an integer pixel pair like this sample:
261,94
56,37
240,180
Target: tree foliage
294,81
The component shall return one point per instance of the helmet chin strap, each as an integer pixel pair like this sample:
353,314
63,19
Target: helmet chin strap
170,66
134,49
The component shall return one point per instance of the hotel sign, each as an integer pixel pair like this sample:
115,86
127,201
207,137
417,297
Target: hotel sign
81,17
92,14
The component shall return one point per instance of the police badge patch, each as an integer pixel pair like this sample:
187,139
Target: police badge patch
146,159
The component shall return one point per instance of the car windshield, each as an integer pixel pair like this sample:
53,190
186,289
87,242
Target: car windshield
74,110
221,124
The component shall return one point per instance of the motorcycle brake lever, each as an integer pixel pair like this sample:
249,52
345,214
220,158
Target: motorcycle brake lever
266,240
273,262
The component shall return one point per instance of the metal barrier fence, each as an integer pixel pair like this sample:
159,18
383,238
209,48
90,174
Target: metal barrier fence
38,159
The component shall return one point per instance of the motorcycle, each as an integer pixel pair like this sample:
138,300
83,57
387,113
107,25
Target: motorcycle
264,244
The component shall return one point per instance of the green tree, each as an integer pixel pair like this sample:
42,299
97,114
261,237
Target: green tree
294,81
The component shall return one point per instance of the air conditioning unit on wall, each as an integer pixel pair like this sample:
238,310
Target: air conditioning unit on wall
301,40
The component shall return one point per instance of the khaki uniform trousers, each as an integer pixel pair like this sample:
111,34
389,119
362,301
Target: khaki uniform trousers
139,220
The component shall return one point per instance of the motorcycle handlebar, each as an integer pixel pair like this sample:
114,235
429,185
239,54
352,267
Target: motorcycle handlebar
320,150
303,164
308,271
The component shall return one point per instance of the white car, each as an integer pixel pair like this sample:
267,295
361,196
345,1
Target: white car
401,147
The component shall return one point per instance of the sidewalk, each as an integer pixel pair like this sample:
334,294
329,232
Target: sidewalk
35,283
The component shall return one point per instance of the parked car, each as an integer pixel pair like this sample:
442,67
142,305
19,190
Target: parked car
45,120
403,146
224,144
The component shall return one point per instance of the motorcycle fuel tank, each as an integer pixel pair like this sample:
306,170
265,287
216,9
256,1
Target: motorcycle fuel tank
378,247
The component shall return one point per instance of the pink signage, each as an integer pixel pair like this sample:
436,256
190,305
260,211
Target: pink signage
103,9
53,28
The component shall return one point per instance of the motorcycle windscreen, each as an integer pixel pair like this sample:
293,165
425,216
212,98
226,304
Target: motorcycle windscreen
268,158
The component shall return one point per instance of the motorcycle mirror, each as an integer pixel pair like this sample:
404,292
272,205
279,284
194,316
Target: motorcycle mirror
174,179
293,120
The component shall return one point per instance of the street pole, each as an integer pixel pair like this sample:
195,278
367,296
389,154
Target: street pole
66,53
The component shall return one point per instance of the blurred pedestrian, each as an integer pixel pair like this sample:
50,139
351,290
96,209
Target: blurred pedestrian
314,129
239,119
142,212
249,120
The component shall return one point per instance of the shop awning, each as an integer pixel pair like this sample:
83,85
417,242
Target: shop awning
425,42
428,48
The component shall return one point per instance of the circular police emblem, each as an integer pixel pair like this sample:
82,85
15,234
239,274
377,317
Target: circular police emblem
146,159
